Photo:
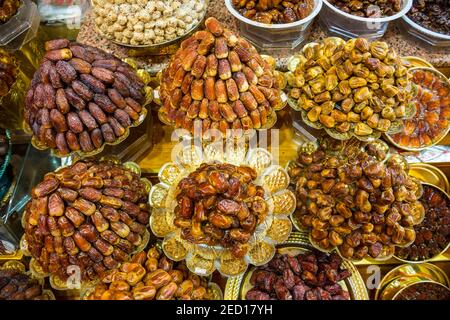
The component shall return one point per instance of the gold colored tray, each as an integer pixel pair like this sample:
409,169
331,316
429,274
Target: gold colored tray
203,259
442,134
429,174
237,287
404,275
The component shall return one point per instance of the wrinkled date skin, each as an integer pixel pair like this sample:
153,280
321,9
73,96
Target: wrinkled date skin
309,276
76,217
75,85
212,206
151,276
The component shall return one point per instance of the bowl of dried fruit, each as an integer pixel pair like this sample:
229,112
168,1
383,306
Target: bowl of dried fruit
428,21
274,24
368,19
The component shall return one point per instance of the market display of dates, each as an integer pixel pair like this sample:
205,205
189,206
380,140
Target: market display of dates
298,218
220,205
151,276
309,276
218,78
91,215
81,97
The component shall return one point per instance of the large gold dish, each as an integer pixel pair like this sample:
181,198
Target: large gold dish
396,125
237,287
203,259
444,131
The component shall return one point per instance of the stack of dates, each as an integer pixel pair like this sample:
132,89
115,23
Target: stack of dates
219,204
15,285
220,80
81,97
309,276
92,215
369,8
151,276
351,196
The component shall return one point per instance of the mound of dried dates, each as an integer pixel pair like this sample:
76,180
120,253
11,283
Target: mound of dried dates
310,276
8,72
15,285
219,204
424,291
220,79
433,15
433,233
4,146
354,200
432,118
81,97
92,215
352,86
8,8
151,276
274,11
369,8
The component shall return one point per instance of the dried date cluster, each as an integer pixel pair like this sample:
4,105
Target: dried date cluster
220,205
92,215
433,233
352,86
81,97
8,8
354,201
15,285
8,72
274,11
151,276
309,276
4,146
431,14
219,79
143,22
368,8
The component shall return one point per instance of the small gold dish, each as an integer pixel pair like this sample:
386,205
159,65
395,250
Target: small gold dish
429,174
237,287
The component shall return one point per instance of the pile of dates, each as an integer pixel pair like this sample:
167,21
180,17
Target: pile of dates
351,87
433,15
309,276
151,276
92,215
432,118
8,8
369,8
219,204
274,11
433,233
15,285
81,97
4,146
8,72
220,80
424,291
351,197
